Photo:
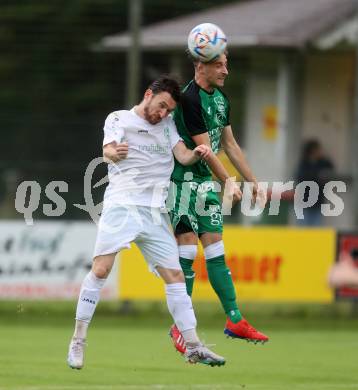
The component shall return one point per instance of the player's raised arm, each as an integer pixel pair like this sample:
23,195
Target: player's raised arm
238,159
235,154
214,163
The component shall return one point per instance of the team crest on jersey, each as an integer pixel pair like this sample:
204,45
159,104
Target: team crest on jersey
166,133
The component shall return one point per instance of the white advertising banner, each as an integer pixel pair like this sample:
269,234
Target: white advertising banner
47,260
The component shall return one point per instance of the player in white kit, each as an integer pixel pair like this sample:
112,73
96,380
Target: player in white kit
139,145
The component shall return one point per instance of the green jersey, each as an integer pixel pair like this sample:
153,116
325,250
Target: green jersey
200,112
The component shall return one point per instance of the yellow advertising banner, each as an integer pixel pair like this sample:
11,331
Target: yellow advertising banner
266,263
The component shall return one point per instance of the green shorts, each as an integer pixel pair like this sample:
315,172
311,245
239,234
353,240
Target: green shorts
197,205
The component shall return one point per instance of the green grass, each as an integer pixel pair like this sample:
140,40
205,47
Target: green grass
134,352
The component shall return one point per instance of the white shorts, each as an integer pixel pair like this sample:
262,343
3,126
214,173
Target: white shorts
146,226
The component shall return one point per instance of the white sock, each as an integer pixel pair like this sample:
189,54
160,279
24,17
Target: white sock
190,337
214,250
181,309
188,251
81,329
87,302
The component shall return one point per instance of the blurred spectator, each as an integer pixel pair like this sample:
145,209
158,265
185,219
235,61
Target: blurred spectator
314,166
9,180
344,273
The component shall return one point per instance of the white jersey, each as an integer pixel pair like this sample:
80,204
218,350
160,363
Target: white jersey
143,177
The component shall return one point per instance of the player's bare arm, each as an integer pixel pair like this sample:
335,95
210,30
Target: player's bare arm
238,159
235,154
187,156
216,165
114,152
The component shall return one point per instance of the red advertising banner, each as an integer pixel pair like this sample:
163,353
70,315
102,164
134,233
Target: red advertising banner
347,243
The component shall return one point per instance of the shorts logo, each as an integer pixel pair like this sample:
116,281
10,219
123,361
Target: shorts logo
88,300
216,219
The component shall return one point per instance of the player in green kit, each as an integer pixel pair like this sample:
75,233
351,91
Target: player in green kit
204,118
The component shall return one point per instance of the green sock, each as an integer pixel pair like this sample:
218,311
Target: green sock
221,281
186,266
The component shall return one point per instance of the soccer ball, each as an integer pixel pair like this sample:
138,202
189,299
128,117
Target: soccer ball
206,42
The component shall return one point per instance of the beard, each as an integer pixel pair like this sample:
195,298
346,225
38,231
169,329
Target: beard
152,119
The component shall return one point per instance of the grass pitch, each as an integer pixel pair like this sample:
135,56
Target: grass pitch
136,353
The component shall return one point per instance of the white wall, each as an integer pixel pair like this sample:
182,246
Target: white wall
314,99
262,153
273,83
328,115
328,103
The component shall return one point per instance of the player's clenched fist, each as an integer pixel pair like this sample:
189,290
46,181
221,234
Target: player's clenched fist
202,151
237,194
121,151
115,152
261,198
233,189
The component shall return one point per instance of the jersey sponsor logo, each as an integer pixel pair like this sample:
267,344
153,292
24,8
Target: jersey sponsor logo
220,103
143,131
154,149
220,115
215,138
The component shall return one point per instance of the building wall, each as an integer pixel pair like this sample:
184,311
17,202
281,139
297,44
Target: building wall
328,103
262,147
292,99
262,134
328,115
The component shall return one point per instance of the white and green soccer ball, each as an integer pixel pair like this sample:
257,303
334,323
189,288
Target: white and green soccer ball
206,42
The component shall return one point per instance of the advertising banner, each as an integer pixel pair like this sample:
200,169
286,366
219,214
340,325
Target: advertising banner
267,264
47,260
347,243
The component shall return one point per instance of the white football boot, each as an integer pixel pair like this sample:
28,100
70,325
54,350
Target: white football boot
76,353
201,354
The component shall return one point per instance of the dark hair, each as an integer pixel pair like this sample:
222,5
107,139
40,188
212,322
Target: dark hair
309,147
195,61
168,84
